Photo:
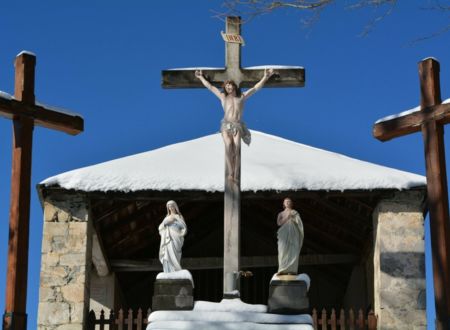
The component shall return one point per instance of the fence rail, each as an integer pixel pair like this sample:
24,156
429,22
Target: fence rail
138,321
345,322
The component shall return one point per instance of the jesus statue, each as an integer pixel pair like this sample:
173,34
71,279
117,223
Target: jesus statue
233,129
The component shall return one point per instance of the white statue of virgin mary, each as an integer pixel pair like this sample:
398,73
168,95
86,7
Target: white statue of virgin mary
172,230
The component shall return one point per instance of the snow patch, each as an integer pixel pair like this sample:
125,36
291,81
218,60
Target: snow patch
202,325
404,113
5,95
430,58
195,68
301,277
183,274
218,317
58,109
228,305
27,52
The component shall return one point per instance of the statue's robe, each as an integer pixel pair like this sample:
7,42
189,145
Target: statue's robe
290,241
172,239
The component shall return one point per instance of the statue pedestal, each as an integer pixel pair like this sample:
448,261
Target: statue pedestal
173,294
288,295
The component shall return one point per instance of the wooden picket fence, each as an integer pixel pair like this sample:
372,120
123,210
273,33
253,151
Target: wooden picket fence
322,321
343,322
121,321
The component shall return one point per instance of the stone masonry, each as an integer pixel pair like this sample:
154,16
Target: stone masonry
399,262
65,264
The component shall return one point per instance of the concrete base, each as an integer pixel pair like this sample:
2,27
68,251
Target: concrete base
176,294
288,297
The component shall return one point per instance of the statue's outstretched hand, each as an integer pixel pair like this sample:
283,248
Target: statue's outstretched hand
198,73
269,72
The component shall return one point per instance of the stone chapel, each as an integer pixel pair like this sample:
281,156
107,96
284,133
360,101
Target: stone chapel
363,223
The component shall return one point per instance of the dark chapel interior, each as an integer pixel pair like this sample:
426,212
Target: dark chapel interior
336,252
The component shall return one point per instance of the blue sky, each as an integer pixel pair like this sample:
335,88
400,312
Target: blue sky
103,59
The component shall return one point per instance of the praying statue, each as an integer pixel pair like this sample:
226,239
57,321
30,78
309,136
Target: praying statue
233,129
172,230
290,239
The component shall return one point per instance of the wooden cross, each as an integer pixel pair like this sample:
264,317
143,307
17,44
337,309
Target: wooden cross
185,78
430,120
25,113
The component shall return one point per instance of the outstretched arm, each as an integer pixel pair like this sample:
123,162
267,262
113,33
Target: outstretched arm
207,84
267,74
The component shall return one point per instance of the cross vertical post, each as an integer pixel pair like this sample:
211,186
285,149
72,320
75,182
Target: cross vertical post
232,188
19,216
25,114
286,76
430,119
433,137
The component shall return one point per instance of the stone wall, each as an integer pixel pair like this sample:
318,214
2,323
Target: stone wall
65,264
399,262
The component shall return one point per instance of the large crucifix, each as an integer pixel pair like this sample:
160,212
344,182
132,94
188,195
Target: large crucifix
25,113
430,119
242,78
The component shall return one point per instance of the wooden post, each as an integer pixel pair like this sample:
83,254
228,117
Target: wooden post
430,120
232,196
16,281
24,113
433,137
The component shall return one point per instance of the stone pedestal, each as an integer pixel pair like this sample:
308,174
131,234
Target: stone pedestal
173,294
288,297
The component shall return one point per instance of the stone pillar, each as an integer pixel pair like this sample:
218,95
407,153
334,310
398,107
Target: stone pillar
399,262
66,263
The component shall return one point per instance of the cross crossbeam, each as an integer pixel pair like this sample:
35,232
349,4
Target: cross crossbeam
430,120
244,78
42,116
286,76
25,113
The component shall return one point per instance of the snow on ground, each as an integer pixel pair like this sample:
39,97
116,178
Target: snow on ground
229,314
269,163
301,277
183,274
201,325
404,113
228,305
229,317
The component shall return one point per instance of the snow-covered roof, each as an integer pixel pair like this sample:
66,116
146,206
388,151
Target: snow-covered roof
270,163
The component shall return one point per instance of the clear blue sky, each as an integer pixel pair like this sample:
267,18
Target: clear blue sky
103,60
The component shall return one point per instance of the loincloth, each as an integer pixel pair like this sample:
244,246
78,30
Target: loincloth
235,127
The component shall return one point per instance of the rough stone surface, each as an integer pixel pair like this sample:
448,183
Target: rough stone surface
399,262
66,255
173,295
288,297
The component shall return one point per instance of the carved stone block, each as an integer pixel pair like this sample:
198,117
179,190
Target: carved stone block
174,294
288,297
